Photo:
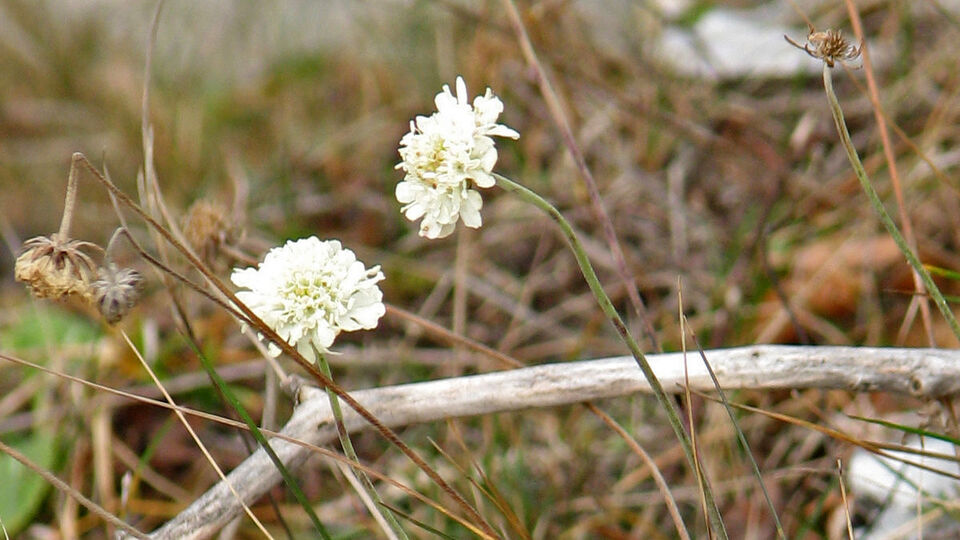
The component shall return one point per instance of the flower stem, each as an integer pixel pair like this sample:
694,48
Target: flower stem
70,201
611,312
352,454
878,207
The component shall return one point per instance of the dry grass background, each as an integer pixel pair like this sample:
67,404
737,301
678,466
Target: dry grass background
290,113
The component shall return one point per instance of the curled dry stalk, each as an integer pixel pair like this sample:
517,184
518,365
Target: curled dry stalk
606,305
288,349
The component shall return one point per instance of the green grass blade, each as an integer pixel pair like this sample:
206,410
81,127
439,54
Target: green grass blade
255,431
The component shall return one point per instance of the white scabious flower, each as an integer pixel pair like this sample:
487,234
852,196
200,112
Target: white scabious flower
446,154
309,291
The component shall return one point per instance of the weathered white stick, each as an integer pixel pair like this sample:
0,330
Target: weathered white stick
918,372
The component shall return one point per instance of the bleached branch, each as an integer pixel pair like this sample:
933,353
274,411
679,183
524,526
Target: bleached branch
918,372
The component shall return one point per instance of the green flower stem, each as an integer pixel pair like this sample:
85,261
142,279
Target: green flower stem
885,218
611,312
352,454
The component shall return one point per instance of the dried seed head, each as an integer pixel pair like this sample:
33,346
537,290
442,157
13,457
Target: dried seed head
207,226
55,267
829,46
116,291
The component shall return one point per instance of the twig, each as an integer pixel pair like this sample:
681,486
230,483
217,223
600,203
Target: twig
917,372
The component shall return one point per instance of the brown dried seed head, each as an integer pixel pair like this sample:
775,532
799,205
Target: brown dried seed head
207,227
55,267
831,46
116,291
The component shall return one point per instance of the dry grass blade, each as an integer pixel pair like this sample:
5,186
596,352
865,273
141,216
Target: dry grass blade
726,405
485,488
668,499
597,205
843,496
486,485
840,436
194,435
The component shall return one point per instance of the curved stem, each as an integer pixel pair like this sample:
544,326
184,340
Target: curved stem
881,211
70,201
611,312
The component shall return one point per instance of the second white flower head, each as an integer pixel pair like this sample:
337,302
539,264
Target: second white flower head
445,155
309,291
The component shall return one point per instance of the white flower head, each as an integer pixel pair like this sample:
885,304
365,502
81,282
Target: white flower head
309,291
446,154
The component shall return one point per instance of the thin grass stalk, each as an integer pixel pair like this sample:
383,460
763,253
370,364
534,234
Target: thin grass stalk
193,434
658,479
755,468
688,400
878,207
713,512
351,453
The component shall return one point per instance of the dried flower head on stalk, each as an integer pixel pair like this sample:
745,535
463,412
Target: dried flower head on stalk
829,46
208,228
56,267
116,289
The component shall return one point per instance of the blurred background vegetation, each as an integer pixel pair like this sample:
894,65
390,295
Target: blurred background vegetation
718,169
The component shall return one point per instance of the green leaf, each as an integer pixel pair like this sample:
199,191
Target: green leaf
38,327
23,490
